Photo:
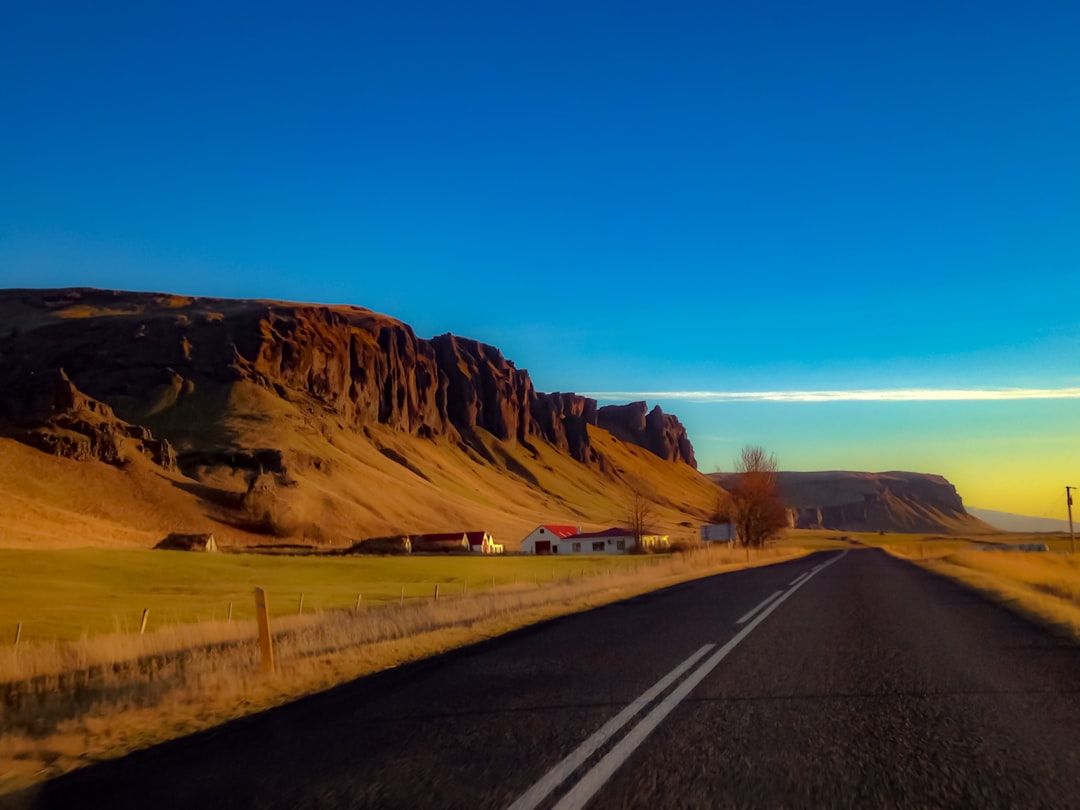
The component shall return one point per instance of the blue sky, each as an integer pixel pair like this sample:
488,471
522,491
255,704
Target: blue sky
625,197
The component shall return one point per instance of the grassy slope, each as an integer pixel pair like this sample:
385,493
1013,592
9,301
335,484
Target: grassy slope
358,489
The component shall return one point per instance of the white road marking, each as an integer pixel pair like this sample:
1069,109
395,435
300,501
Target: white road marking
799,578
762,606
559,774
599,774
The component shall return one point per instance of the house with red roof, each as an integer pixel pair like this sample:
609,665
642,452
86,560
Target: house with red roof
541,539
560,540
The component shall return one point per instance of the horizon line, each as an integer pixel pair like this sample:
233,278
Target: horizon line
856,395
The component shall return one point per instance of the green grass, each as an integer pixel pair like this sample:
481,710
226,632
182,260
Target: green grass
64,594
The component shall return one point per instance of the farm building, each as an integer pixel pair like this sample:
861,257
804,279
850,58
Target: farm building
440,542
610,541
394,544
188,542
719,533
478,542
483,543
540,539
569,540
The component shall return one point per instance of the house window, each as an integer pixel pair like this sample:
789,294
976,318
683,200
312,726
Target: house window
598,545
576,547
620,545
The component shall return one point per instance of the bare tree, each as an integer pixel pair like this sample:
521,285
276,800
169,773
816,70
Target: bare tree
640,517
755,505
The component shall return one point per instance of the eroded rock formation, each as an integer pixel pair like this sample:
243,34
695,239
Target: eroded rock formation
660,433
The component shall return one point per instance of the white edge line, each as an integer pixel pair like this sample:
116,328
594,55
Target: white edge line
799,578
761,606
557,775
599,774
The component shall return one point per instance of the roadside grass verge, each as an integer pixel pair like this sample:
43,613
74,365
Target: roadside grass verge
197,675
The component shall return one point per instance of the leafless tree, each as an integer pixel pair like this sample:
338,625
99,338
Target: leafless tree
640,517
755,505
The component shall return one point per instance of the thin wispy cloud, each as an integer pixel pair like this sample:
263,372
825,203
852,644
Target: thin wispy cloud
862,395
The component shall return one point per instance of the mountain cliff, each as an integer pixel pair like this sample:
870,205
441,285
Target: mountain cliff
277,416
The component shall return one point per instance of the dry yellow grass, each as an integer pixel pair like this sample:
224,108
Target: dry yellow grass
216,684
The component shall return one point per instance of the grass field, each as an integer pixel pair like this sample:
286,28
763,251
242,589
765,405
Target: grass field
65,594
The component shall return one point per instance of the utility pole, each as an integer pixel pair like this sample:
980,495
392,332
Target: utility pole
1068,503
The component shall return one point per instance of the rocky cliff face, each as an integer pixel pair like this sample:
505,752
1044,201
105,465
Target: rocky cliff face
563,420
143,355
662,434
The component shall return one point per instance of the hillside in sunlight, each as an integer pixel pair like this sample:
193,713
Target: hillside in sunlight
127,416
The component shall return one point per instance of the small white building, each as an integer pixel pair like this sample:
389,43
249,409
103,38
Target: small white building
719,533
541,540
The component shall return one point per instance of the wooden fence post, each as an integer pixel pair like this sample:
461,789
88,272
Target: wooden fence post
142,624
229,617
18,633
401,601
436,593
300,609
266,643
358,597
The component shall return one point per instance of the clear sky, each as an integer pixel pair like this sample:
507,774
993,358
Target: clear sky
693,199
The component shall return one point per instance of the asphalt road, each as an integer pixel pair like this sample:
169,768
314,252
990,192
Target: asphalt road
866,683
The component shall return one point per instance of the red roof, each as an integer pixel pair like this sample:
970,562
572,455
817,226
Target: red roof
606,533
561,532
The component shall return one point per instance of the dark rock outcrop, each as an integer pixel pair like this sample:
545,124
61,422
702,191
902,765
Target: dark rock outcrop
484,389
563,420
660,433
45,410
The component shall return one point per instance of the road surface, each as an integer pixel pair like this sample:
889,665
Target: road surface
844,679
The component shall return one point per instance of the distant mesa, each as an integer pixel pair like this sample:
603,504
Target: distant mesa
863,501
1009,522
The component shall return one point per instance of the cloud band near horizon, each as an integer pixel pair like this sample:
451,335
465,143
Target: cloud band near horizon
879,395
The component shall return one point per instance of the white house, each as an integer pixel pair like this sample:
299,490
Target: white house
609,541
568,540
541,540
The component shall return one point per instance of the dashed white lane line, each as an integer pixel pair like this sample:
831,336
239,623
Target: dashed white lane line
597,776
799,578
559,774
762,606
